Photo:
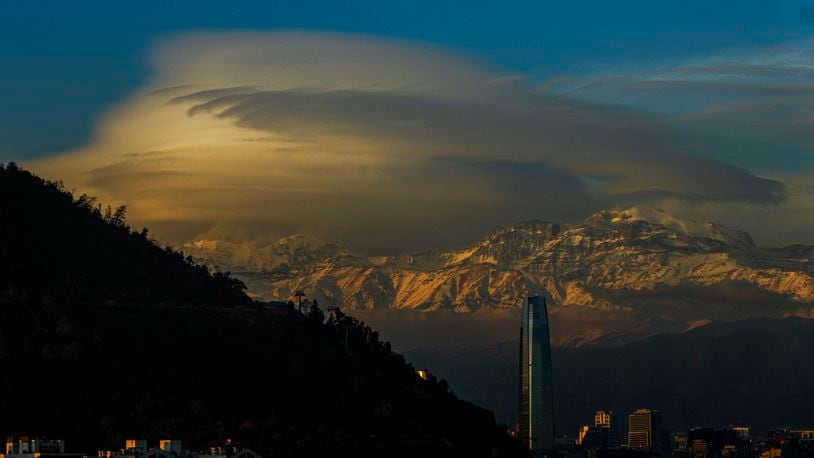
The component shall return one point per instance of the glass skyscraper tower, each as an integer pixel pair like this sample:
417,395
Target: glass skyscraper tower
536,403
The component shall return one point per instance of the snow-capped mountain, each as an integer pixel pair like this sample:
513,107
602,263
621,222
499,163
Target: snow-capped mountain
642,271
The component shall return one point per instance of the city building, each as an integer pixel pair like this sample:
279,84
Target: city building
604,419
804,437
135,445
229,450
642,425
605,422
728,442
36,447
590,438
599,437
582,434
536,400
785,443
733,442
645,433
701,442
172,448
564,444
137,448
680,443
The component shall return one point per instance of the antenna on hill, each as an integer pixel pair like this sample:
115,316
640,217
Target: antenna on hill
299,295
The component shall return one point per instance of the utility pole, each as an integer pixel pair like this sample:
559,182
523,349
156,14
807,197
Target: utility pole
299,295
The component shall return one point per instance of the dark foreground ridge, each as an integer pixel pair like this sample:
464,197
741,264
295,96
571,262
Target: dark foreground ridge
105,335
754,371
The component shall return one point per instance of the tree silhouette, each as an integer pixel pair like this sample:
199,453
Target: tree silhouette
117,336
70,248
315,313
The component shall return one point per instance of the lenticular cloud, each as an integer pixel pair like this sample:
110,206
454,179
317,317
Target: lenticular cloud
380,144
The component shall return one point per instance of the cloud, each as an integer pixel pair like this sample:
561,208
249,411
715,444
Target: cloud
383,145
754,101
750,107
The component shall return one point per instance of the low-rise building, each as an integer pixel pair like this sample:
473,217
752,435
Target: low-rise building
230,450
36,447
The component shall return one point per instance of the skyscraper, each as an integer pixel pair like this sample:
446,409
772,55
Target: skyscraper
602,418
605,422
536,409
643,429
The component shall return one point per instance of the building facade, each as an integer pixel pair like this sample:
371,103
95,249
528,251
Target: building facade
33,446
605,422
643,429
728,442
701,442
536,399
36,447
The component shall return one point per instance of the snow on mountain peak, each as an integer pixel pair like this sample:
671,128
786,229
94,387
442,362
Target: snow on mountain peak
690,228
641,267
300,250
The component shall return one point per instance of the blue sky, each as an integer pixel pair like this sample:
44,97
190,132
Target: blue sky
236,118
63,63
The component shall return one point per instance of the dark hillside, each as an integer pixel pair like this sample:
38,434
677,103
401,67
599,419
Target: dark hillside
71,249
104,335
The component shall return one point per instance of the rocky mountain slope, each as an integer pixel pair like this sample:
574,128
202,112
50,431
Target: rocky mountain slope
642,271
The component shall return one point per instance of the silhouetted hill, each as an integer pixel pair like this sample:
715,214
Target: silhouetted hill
104,335
757,370
71,249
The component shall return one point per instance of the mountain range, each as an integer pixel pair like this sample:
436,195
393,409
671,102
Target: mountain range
619,274
111,335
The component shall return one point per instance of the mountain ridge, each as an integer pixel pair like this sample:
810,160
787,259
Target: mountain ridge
646,266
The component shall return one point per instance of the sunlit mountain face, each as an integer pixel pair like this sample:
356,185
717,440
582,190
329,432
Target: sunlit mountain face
370,171
618,275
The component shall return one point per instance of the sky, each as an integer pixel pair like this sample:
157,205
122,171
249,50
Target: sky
400,126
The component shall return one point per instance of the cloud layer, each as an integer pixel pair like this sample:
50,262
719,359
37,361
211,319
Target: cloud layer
383,145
